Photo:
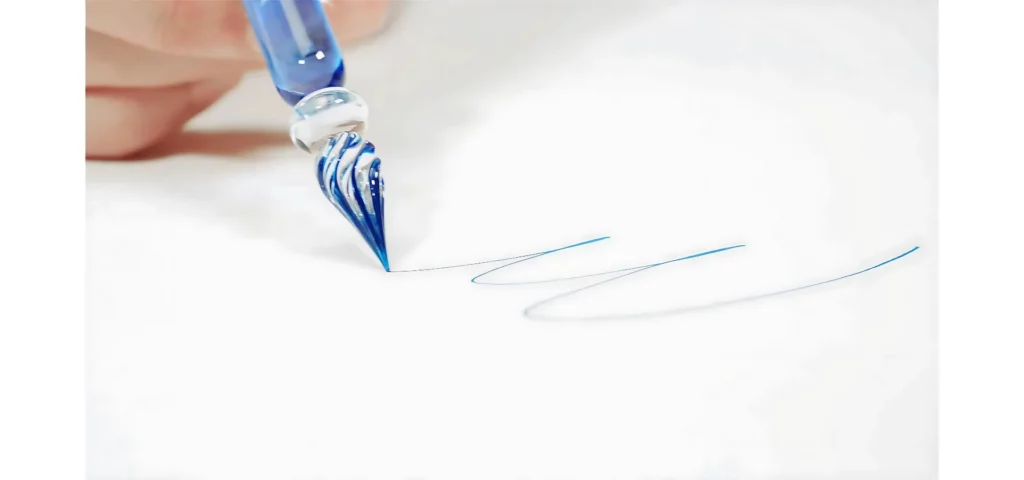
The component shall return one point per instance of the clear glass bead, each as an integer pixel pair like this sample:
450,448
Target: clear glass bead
326,113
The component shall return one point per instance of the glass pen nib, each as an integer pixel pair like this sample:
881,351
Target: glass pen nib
307,68
349,174
331,121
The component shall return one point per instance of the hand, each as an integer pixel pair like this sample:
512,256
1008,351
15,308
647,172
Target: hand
152,65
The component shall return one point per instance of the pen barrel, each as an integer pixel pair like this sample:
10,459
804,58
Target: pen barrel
298,44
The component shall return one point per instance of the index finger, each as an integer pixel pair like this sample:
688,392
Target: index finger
208,28
214,28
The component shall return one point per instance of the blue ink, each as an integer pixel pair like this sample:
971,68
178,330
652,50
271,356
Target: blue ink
349,175
631,270
625,272
496,260
676,311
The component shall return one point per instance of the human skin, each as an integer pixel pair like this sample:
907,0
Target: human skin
152,65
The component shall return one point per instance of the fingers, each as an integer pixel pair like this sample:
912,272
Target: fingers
115,63
152,65
354,20
214,28
211,28
122,122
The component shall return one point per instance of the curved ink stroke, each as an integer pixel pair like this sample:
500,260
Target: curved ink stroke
631,270
529,311
496,260
626,272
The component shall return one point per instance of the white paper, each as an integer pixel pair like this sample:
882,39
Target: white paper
239,328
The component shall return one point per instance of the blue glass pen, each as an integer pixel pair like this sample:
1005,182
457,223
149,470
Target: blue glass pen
307,68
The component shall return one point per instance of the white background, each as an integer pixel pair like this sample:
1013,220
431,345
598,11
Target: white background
42,379
237,328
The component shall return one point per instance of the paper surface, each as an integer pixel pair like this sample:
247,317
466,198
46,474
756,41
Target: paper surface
238,327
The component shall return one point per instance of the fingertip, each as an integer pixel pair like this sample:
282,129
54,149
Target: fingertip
121,124
355,20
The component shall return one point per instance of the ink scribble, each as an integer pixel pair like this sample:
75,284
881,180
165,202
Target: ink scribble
531,311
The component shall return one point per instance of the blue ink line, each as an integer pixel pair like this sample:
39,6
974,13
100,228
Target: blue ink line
631,270
517,257
588,242
529,311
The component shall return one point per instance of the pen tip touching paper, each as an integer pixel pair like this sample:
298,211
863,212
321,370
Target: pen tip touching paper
349,173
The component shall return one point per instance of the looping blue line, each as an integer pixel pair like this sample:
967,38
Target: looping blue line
625,272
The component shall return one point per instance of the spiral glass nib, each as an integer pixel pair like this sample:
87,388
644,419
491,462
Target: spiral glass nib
330,121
